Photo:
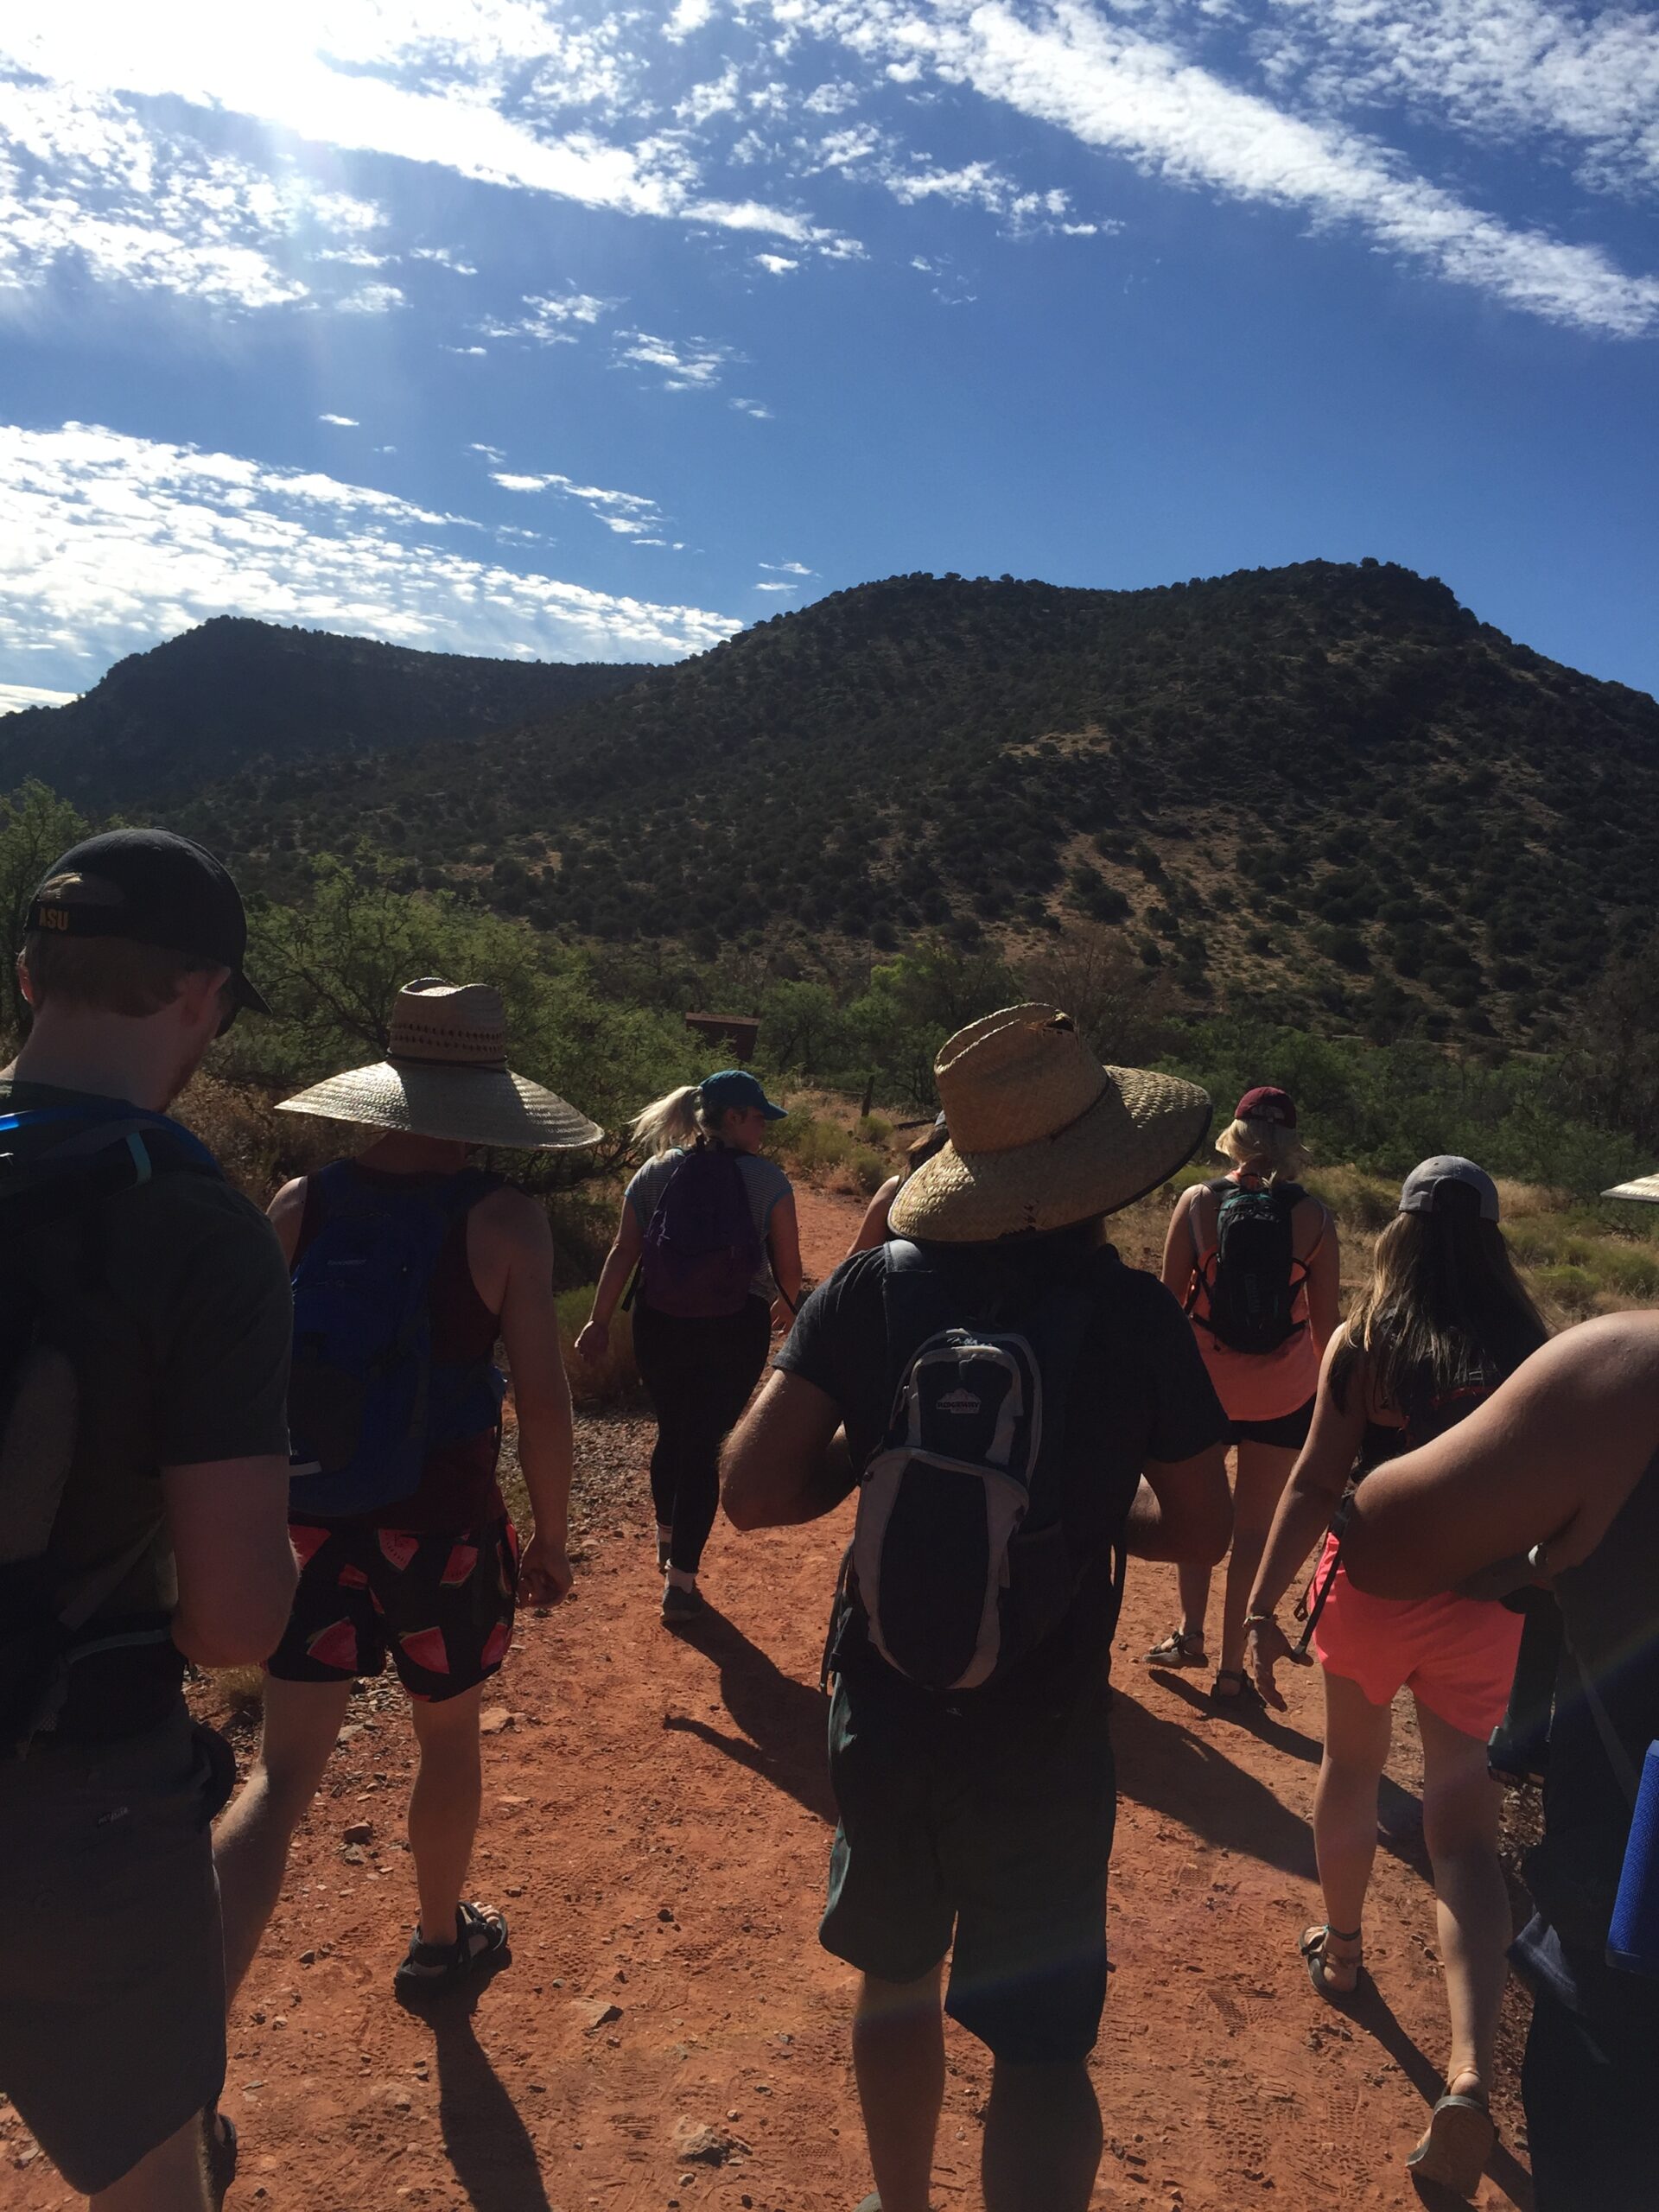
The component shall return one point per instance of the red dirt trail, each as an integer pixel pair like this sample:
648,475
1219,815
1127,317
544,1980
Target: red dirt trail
656,1826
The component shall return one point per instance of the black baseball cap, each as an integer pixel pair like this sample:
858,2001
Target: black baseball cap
172,893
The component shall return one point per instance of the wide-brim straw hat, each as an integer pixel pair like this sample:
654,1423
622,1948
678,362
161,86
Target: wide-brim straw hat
1644,1189
446,1075
1041,1135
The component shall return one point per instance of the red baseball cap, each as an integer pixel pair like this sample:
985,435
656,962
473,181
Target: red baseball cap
1267,1104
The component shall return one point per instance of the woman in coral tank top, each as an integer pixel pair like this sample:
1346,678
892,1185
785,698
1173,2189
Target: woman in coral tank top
1253,1258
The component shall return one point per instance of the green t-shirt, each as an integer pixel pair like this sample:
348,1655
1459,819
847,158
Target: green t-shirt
180,1348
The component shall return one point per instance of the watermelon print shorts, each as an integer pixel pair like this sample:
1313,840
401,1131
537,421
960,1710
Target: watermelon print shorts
441,1607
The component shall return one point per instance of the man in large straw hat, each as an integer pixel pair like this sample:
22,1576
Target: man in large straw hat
405,1546
1014,1405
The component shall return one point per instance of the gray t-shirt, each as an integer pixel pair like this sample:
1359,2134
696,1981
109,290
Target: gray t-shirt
764,1180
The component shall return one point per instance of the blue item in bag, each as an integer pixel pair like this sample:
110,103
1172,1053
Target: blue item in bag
701,1250
367,1400
1633,1938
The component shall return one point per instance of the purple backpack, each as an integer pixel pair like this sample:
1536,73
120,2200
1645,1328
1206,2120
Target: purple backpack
702,1251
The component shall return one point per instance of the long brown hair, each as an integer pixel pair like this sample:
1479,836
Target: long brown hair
1444,1307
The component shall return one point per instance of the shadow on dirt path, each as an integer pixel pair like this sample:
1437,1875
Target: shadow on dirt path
489,2144
783,1721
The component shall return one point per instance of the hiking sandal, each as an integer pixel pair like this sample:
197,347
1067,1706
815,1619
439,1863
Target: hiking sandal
1461,2136
1312,1945
429,1969
1177,1650
1243,1692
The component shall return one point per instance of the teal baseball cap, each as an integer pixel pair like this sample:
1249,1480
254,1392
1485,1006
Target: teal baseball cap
735,1089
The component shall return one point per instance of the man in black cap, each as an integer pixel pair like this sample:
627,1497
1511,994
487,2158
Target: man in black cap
144,1324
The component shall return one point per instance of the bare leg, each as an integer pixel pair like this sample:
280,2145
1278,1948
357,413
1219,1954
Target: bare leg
1193,1583
1042,2139
170,2178
1264,1470
1357,1735
898,2057
250,1843
1460,1818
443,1807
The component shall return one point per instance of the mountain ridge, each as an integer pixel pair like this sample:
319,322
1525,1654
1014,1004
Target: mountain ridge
231,690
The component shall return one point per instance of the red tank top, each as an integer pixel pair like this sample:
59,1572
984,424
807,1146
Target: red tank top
457,1488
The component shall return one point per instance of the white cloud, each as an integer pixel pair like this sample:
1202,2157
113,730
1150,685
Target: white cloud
1116,88
108,542
776,264
444,258
341,422
775,587
760,412
544,318
490,453
689,365
1494,69
788,568
688,15
84,183
371,299
628,513
13,697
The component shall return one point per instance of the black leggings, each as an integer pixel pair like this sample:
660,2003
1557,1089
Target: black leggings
698,1375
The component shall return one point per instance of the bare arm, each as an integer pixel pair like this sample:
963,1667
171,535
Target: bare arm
873,1229
285,1213
227,1520
619,1263
1324,1284
541,1396
1315,1488
1182,1510
1180,1259
1549,1458
786,1459
783,1250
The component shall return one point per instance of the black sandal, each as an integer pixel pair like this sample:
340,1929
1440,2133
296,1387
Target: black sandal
1312,1945
219,2153
1245,1694
1461,2136
429,1969
1177,1650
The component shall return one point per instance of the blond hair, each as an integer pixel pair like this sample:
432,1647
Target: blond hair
1264,1148
678,1117
103,974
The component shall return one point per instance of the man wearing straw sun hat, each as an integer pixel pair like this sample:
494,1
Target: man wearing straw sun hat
1015,1407
408,1263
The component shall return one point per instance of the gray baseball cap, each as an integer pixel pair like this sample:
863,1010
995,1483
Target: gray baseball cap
1421,1191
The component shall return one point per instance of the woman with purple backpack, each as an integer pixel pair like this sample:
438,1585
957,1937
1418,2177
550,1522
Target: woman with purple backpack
708,1237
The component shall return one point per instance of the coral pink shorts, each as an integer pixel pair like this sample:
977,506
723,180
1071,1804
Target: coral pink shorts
1455,1655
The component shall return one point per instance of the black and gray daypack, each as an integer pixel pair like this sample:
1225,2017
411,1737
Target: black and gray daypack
1253,1276
50,1206
959,1556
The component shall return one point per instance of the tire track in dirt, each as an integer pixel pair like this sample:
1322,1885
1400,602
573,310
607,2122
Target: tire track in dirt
656,1824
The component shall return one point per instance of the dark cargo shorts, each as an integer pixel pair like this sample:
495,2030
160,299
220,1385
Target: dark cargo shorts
441,1606
112,1967
991,1832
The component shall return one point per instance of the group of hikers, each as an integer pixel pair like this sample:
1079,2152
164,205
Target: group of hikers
227,1439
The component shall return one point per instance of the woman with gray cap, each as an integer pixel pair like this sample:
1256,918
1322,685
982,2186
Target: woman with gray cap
1443,1321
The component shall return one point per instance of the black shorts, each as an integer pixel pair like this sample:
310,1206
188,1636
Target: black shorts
1287,1431
112,1969
441,1606
991,1834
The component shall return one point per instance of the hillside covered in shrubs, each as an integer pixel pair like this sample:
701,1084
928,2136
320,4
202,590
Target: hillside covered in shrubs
1327,787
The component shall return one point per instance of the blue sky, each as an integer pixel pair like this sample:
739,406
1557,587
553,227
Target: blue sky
500,326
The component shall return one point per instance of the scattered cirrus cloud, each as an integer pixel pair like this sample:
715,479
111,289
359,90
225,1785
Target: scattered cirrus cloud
684,365
341,422
115,542
789,568
546,317
628,514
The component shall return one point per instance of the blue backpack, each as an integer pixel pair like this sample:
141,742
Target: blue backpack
701,1250
367,1400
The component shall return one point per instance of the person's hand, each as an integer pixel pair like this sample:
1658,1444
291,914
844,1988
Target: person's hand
783,1315
545,1573
593,1343
1266,1645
